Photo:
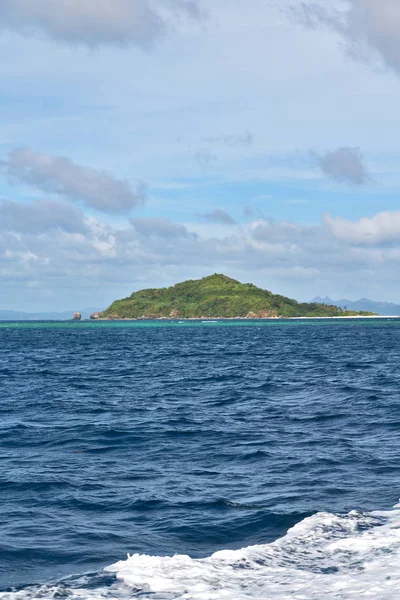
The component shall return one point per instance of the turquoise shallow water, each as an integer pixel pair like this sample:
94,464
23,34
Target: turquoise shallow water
200,323
162,438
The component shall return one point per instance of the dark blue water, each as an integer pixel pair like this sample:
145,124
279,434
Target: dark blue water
165,439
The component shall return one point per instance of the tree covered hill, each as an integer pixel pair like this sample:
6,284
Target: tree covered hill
216,296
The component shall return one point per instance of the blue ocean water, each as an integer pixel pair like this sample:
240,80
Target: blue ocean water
196,439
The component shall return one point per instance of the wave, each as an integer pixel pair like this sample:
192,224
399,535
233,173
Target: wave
324,556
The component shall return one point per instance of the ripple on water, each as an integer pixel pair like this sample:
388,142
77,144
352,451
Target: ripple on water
190,440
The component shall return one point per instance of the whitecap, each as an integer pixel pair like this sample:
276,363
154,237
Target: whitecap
323,557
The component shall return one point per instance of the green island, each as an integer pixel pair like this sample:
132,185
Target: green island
215,297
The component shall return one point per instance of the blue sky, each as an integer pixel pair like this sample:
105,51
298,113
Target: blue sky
145,142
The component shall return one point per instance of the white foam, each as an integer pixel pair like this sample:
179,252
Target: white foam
323,557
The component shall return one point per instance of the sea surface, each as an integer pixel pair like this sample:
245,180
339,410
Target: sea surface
200,460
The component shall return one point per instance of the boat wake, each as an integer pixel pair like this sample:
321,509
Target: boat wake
325,556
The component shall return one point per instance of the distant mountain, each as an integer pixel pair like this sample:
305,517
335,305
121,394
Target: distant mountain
16,315
216,296
385,309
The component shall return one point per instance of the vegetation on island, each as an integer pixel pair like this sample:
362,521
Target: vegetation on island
216,296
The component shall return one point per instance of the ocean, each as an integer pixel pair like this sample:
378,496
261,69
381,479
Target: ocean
200,460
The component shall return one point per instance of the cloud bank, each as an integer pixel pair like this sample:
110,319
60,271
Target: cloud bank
96,22
46,243
59,175
41,217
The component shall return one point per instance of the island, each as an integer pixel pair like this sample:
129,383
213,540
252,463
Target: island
215,297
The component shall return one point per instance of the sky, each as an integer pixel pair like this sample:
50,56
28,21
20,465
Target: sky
145,142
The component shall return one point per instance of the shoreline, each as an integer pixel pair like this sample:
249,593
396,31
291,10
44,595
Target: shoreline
211,319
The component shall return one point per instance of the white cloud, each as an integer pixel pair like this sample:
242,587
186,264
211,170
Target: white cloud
219,216
371,28
40,216
345,165
59,175
96,22
159,227
98,255
381,229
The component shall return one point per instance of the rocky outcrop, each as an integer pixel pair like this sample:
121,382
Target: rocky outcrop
97,315
263,314
77,316
268,314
